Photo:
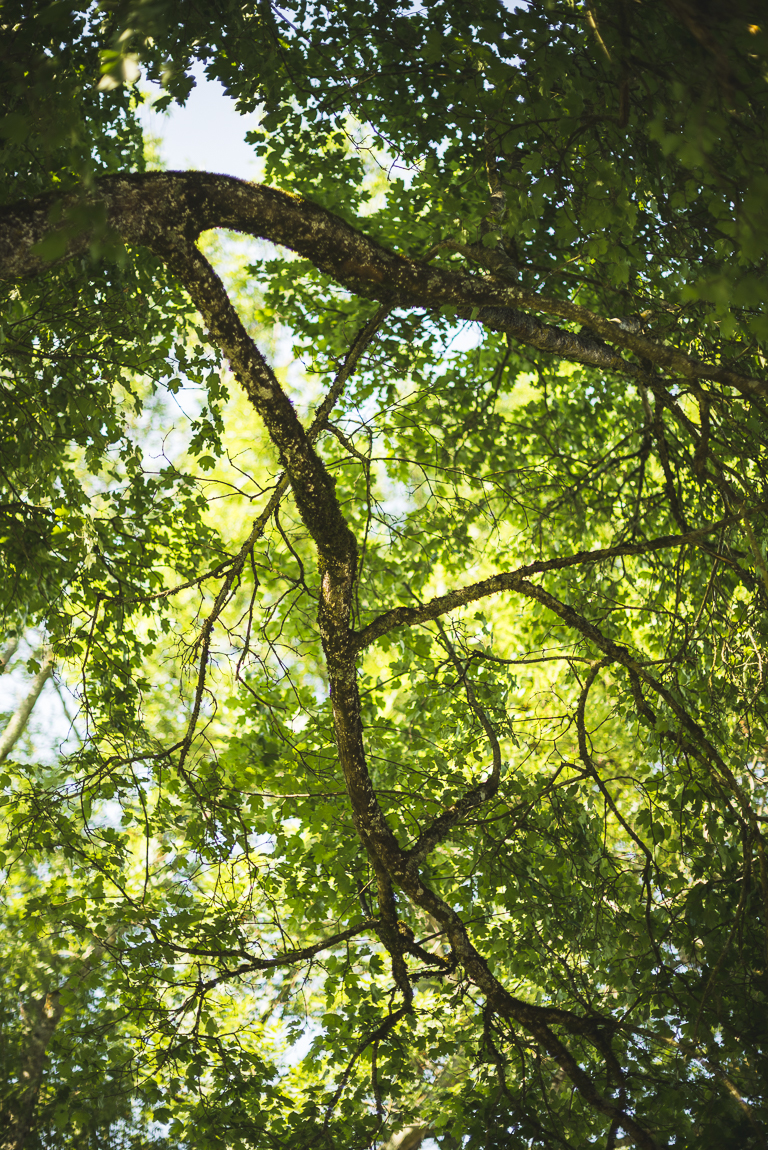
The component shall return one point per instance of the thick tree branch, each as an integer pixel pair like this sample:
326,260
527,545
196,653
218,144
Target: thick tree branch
511,581
166,212
319,421
313,490
152,208
537,1020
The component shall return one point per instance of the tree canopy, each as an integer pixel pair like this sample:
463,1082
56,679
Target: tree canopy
396,528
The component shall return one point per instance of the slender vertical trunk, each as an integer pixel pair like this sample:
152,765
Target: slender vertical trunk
20,718
8,653
41,1017
409,1138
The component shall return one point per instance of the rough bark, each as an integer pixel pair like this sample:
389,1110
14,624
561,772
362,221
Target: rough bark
160,209
512,581
166,212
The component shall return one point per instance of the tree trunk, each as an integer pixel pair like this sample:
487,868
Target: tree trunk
41,1016
8,654
409,1138
20,718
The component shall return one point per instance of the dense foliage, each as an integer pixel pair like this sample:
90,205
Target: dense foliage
419,782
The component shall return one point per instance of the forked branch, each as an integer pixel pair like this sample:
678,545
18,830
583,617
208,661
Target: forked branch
155,208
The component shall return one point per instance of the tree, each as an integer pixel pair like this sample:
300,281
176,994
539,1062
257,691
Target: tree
463,781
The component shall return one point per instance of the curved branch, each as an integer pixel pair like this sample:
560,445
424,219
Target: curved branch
537,1020
512,580
165,212
144,208
694,738
289,957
